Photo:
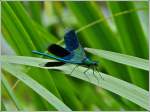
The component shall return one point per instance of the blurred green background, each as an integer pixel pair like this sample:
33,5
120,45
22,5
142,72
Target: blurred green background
28,26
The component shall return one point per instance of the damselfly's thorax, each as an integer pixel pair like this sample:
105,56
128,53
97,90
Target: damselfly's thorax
88,62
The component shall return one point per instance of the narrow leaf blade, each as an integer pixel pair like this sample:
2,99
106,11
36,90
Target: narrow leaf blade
39,89
121,58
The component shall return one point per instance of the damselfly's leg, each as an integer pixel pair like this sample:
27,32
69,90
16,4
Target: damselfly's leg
86,74
99,72
95,74
74,69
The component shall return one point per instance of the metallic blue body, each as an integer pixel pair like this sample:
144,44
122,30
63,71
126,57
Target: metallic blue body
57,58
76,52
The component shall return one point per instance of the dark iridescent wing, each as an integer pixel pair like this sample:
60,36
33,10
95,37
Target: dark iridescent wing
58,50
52,64
71,40
73,45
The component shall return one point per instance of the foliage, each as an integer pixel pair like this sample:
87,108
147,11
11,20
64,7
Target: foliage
120,45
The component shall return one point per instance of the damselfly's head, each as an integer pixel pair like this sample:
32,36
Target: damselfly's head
95,63
90,62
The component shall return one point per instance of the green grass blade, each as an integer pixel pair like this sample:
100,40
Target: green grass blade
39,89
129,91
132,38
31,29
36,11
121,58
40,38
129,34
3,108
31,61
10,93
117,86
15,29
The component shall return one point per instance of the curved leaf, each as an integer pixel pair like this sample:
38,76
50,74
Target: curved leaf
10,93
36,87
121,58
122,88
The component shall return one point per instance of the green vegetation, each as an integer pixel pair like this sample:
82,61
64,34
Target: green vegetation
119,42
